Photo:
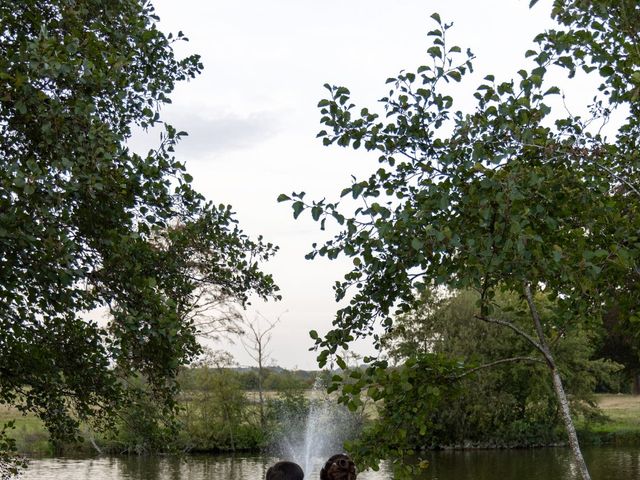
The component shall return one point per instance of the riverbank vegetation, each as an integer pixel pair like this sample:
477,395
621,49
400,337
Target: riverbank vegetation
205,425
217,411
499,395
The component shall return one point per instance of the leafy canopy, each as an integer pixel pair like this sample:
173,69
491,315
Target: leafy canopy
87,223
504,395
515,192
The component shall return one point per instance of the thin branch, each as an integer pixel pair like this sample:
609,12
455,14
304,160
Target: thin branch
497,362
618,177
520,332
260,337
599,165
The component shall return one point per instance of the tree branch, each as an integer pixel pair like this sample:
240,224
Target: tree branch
497,362
520,332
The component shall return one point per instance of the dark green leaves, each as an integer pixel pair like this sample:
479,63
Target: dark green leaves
489,198
88,224
298,207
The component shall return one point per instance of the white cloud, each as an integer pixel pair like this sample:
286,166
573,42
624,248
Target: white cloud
223,133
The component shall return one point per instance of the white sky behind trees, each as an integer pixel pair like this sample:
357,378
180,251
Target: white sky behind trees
252,116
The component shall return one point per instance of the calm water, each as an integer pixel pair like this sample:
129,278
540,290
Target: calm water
540,464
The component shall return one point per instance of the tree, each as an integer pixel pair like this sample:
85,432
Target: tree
215,414
602,36
256,346
86,223
620,344
505,197
504,397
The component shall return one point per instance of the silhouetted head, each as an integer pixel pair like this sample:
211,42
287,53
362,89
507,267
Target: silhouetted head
339,467
285,471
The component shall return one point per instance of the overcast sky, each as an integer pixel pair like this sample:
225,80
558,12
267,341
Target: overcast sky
252,116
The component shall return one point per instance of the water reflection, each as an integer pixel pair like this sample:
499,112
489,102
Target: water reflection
540,464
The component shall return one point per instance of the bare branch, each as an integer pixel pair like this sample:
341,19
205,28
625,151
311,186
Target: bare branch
520,332
497,362
259,337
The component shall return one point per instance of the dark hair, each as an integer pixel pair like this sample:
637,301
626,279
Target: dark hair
285,471
339,467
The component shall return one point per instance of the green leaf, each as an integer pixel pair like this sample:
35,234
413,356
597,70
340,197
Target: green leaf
607,71
455,75
435,52
297,207
417,244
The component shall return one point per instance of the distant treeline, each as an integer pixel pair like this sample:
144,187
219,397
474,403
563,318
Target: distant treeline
275,378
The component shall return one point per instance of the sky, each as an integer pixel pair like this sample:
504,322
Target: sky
252,116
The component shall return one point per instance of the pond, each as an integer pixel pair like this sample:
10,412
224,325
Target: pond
539,464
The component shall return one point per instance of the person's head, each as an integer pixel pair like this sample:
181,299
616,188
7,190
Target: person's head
285,471
339,467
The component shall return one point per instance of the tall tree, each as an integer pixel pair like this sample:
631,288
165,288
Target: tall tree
256,343
603,36
503,197
86,223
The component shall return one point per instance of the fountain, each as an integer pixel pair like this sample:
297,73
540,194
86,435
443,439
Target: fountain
311,440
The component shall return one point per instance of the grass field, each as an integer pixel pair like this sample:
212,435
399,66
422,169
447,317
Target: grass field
29,432
623,413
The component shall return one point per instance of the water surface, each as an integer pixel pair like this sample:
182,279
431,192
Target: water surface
539,464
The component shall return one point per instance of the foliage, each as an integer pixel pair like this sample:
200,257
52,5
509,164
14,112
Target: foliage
287,381
506,398
217,412
602,36
286,416
86,223
407,395
145,428
503,197
10,463
619,343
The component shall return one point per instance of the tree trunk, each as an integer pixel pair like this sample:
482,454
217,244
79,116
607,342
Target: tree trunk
557,386
568,424
635,387
260,394
230,424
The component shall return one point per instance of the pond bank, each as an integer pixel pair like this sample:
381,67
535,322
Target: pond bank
621,428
